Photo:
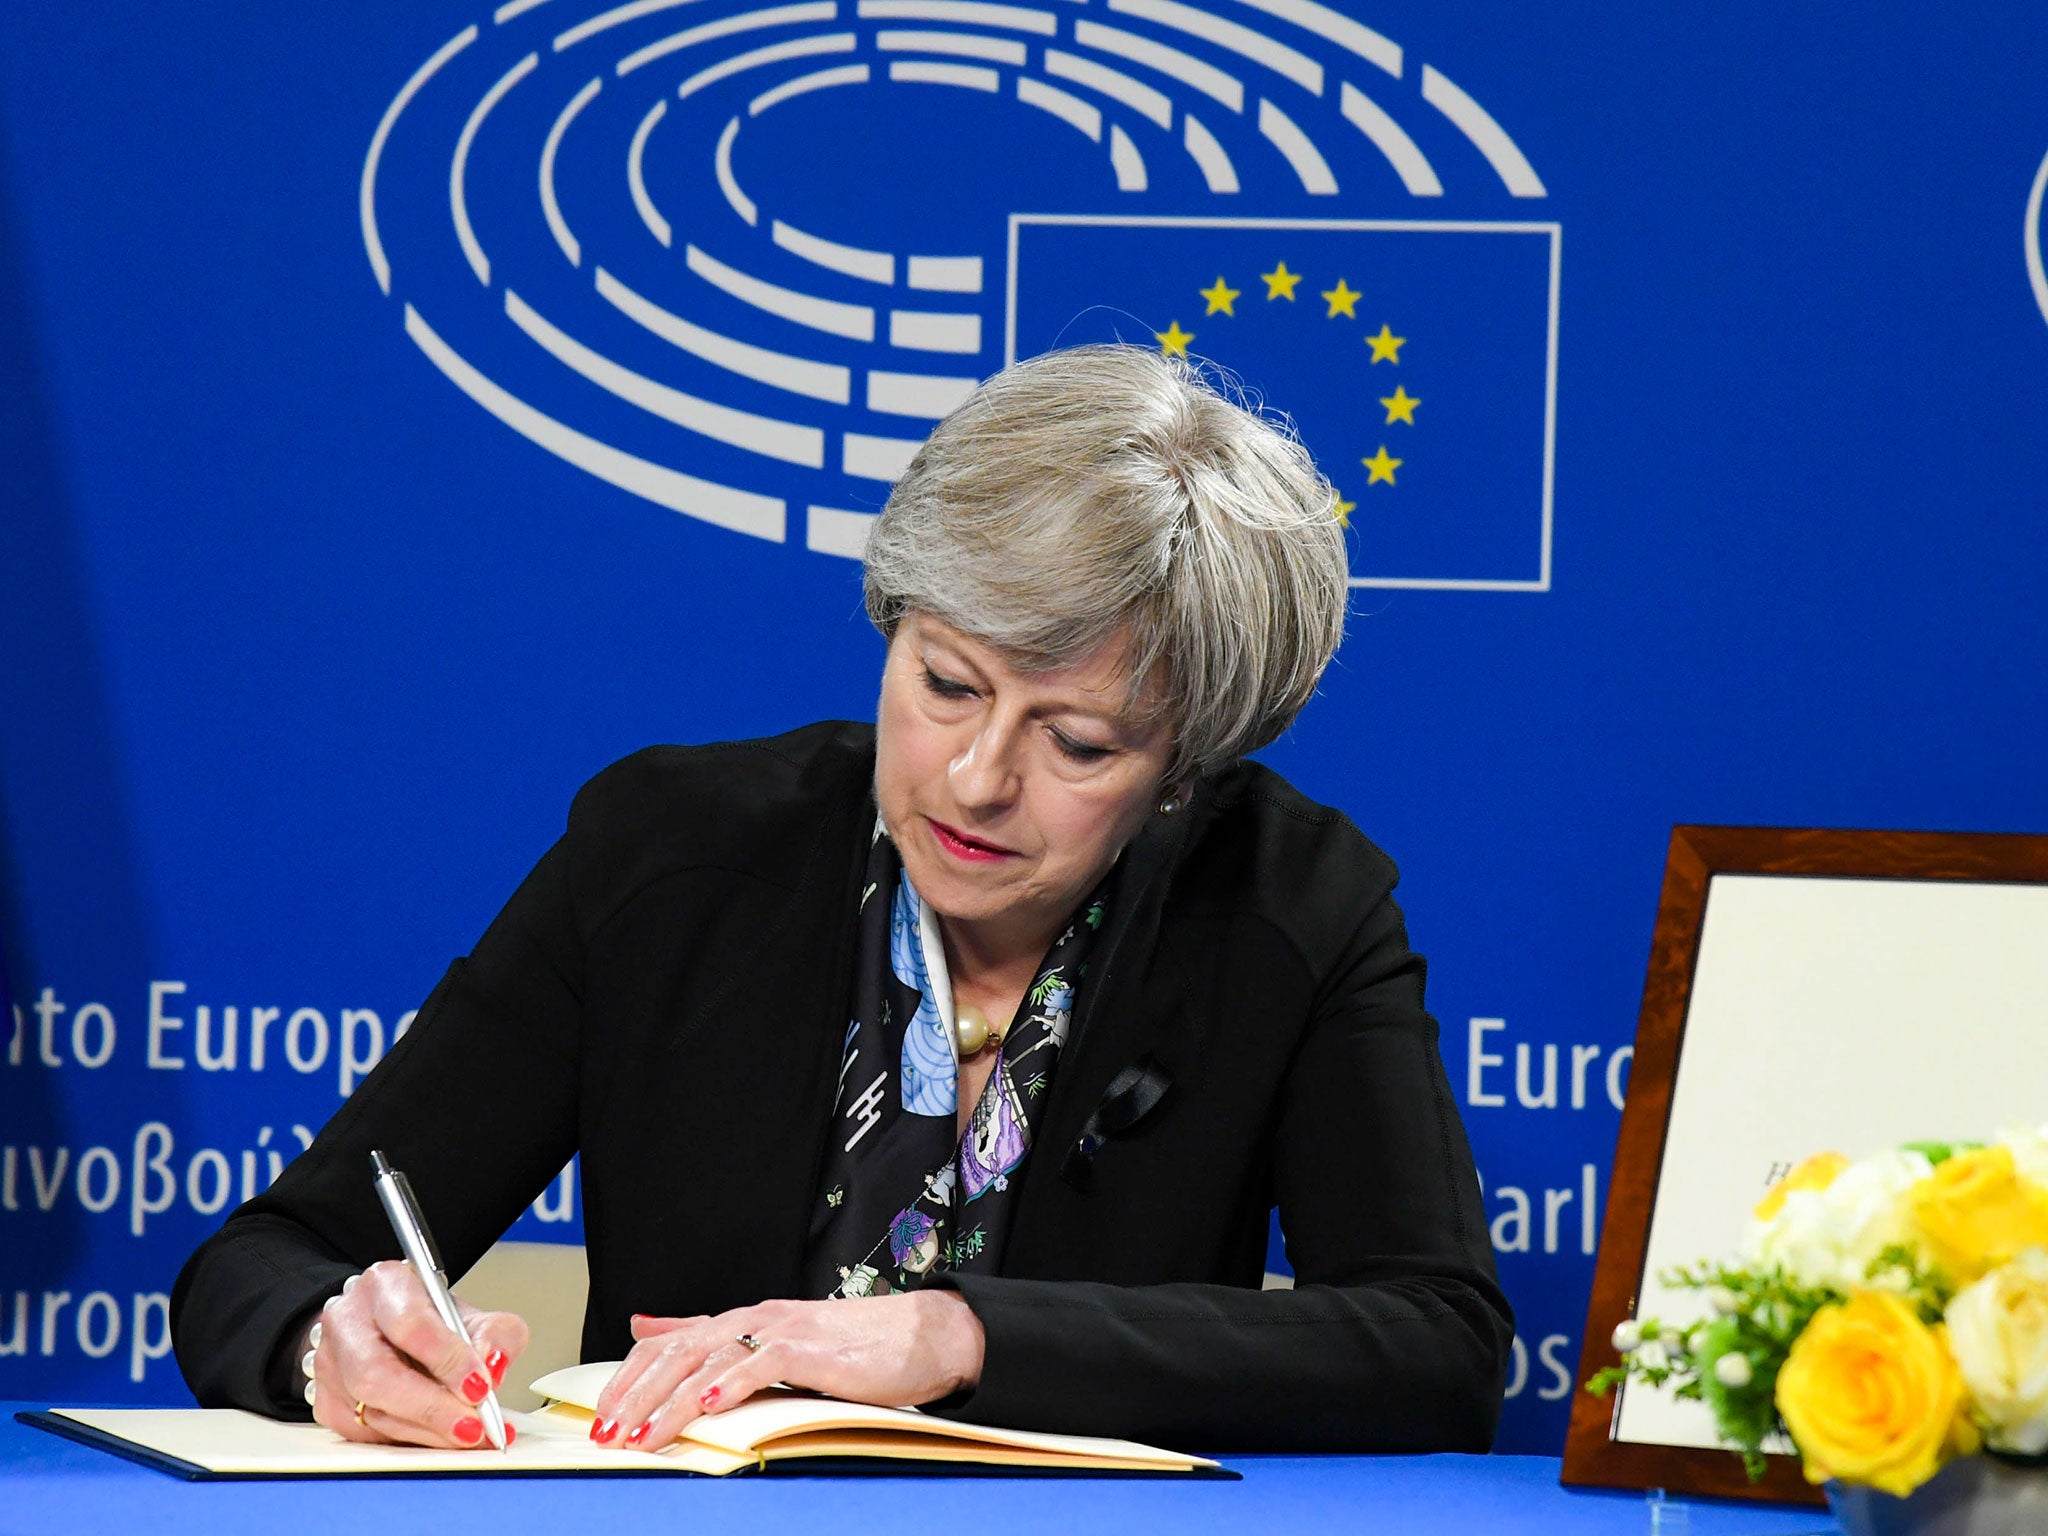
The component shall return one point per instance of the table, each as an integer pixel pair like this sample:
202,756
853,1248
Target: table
49,1485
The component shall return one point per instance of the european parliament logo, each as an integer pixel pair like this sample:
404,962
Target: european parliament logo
735,261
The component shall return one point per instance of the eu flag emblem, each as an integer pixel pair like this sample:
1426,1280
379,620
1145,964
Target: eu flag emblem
1418,360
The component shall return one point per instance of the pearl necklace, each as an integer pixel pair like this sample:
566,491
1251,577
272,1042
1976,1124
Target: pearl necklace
971,1032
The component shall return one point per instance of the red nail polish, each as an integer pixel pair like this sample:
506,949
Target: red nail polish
469,1431
639,1434
603,1430
709,1400
496,1362
511,1434
474,1387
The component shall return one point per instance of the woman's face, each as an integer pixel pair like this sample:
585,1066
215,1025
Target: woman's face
1009,794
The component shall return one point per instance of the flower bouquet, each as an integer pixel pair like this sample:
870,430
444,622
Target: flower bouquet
1889,1316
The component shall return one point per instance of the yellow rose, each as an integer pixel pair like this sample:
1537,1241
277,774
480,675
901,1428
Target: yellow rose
1816,1173
1998,1332
1975,1212
1872,1396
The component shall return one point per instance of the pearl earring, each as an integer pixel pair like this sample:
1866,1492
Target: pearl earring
1169,805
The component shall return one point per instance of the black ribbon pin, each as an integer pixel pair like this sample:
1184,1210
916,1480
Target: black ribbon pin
1132,1094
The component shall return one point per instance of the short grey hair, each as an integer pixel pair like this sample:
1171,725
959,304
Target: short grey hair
1108,490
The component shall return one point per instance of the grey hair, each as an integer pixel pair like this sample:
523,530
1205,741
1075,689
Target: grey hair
1108,491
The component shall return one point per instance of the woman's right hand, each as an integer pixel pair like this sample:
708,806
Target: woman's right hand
387,1369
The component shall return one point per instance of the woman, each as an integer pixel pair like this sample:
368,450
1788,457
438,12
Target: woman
961,1060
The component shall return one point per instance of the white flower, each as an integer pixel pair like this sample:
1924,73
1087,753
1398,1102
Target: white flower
1998,1332
2029,1152
1627,1337
1724,1301
1830,1236
1672,1342
1732,1369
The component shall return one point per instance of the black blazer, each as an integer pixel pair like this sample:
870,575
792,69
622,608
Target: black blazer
666,994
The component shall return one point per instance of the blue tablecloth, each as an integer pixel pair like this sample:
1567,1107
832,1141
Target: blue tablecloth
49,1486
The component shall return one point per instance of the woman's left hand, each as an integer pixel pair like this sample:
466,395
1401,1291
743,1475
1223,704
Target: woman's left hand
909,1348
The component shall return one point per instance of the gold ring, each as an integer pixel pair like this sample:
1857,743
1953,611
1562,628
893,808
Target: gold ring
753,1344
360,1406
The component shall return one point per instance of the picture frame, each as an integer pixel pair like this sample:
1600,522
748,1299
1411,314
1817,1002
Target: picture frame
1793,972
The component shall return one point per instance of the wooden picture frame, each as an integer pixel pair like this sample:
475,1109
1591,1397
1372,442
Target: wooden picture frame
1594,1455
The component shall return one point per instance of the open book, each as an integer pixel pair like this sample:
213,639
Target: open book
777,1426
785,1429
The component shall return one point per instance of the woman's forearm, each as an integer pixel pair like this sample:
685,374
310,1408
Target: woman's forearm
240,1310
1408,1365
956,1336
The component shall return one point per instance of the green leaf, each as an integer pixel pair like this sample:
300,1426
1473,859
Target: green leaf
1768,1310
1928,1286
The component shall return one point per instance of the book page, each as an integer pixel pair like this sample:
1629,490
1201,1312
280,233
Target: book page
229,1441
763,1420
898,1446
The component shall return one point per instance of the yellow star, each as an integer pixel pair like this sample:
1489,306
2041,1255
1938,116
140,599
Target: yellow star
1220,298
1400,405
1382,466
1344,511
1386,347
1173,341
1280,283
1343,300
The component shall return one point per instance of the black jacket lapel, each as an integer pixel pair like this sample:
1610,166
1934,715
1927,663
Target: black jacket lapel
1114,1032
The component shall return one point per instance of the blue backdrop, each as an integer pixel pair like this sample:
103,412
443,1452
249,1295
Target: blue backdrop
408,409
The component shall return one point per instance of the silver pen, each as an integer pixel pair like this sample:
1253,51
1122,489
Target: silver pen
409,1222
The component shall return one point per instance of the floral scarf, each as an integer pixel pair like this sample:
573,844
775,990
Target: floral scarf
900,1197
